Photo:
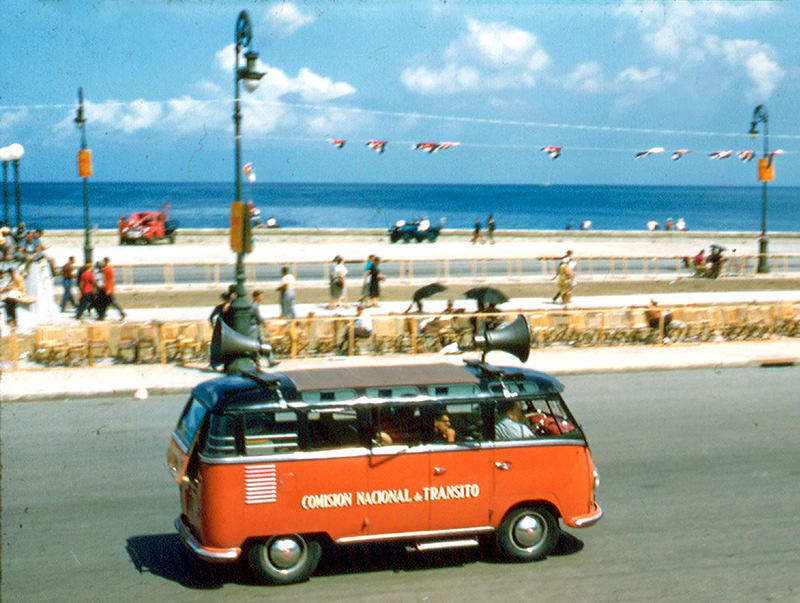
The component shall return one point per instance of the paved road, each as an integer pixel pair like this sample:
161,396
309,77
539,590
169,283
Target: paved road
700,484
314,273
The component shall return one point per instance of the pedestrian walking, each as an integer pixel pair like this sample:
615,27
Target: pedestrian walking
224,310
365,279
338,284
565,273
286,293
108,288
375,278
256,320
490,229
67,281
477,237
86,285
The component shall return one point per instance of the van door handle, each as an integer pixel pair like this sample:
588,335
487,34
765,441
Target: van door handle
439,470
504,466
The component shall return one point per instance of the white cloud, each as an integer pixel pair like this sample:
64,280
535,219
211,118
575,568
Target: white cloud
683,35
586,77
488,56
759,65
633,75
127,117
10,118
285,18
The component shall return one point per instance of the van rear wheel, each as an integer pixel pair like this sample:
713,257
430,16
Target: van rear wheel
527,534
285,559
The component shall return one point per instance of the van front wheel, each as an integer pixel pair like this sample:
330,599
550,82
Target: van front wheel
527,534
285,559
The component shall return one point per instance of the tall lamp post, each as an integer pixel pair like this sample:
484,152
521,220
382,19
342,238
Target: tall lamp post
5,157
85,172
241,240
15,153
765,173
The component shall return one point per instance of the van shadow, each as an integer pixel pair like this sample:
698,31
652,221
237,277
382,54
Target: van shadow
164,555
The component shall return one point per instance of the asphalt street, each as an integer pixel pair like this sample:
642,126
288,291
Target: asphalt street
699,483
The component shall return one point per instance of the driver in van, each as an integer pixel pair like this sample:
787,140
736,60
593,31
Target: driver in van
510,425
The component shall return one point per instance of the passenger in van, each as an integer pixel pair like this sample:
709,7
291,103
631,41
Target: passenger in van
442,429
510,424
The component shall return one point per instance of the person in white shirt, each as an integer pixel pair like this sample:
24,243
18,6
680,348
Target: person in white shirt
511,426
287,294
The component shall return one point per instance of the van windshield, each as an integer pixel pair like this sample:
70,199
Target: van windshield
190,421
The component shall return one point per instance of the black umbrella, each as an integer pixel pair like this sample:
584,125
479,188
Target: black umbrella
487,296
428,291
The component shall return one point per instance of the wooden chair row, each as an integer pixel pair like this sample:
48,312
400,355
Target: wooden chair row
392,334
56,344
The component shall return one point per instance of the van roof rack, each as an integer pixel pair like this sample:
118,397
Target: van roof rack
494,372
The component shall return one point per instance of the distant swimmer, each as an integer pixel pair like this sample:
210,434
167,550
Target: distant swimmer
652,225
586,225
272,222
680,224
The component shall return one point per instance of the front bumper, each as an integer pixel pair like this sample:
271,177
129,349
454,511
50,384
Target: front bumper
211,554
584,521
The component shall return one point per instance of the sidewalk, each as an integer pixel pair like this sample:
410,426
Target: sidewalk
141,381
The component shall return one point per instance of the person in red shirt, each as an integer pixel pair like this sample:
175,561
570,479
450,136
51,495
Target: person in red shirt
108,285
86,284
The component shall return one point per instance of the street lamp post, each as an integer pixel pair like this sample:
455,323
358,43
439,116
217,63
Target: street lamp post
84,171
241,240
5,157
764,174
15,153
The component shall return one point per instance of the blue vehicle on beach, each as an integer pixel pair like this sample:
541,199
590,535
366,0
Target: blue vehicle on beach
418,230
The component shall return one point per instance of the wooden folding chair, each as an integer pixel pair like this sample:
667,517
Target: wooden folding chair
50,344
169,334
147,339
757,321
77,343
276,334
384,334
99,341
127,342
733,325
787,319
190,341
640,329
322,335
539,325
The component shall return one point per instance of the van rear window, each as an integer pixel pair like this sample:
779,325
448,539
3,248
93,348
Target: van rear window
190,421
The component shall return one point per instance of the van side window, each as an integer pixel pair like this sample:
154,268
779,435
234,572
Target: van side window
332,428
269,432
464,418
548,417
396,425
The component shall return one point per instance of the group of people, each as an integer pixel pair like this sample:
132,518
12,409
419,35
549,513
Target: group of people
22,258
709,265
670,224
477,237
96,285
371,280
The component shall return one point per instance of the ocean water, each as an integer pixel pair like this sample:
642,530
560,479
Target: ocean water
206,205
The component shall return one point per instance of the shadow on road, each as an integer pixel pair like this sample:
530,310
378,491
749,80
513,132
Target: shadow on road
164,555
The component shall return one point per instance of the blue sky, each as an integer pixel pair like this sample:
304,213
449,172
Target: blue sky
603,80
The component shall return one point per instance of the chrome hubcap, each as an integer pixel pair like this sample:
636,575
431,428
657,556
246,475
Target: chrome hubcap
285,553
529,531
